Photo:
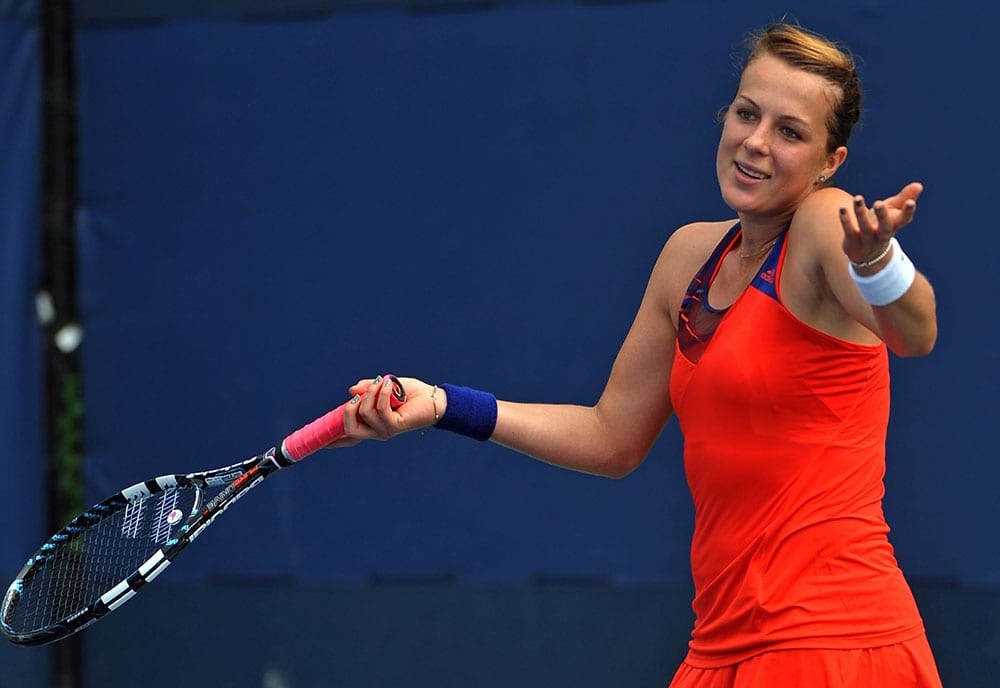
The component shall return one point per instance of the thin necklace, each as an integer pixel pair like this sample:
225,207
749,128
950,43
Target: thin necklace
759,251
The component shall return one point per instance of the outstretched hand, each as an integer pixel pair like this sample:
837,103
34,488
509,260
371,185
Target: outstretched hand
867,231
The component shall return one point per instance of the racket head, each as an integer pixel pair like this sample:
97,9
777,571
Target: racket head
104,556
98,560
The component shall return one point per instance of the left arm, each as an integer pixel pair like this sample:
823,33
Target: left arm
908,324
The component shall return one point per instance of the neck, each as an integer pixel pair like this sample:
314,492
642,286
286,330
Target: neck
757,237
747,252
759,228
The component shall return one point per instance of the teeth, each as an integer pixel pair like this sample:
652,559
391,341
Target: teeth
751,173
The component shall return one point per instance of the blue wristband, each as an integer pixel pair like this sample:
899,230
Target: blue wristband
469,412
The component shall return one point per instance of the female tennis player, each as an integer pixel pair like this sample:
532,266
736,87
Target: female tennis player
771,331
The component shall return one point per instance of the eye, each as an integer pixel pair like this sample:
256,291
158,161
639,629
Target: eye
745,115
790,133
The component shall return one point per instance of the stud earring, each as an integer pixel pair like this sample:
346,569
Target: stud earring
822,178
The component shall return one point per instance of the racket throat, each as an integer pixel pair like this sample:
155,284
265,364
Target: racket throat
279,456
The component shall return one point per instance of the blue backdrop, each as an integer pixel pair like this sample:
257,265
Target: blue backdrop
22,509
272,210
274,207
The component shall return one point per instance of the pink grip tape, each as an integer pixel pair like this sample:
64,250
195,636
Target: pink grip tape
329,427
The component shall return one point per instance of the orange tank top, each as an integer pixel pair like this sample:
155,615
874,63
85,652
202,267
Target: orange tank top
784,451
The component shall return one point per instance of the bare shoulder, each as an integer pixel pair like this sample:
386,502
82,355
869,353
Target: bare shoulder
690,246
817,219
685,251
695,241
813,237
814,280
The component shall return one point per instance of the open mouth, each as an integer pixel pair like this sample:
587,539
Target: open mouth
752,173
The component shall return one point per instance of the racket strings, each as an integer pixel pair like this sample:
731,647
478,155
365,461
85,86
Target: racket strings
92,555
166,517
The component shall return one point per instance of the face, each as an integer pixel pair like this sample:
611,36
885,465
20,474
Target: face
774,140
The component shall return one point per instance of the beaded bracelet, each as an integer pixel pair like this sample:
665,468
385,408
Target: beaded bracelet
469,412
869,263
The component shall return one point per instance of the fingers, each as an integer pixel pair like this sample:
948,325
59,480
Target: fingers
910,192
884,218
903,205
867,231
361,420
886,223
371,414
377,408
905,214
864,217
352,424
859,222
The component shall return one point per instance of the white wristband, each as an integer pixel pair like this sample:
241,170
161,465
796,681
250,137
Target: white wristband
889,283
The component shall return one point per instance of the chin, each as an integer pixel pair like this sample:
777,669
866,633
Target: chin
739,202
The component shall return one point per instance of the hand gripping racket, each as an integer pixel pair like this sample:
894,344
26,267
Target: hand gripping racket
105,555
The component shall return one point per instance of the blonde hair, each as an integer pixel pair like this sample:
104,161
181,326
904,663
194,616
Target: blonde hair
817,55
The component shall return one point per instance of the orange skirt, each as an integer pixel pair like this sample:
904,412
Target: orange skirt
905,665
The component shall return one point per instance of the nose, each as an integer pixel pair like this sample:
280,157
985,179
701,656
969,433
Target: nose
757,141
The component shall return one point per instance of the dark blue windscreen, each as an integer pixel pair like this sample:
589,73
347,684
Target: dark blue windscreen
273,209
20,345
22,508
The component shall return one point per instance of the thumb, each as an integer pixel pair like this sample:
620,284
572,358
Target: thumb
910,192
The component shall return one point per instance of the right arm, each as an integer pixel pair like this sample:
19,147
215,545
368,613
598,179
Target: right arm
610,438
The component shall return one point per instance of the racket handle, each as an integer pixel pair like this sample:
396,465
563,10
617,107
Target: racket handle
329,427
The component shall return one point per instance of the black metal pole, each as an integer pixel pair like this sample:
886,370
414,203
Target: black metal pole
57,295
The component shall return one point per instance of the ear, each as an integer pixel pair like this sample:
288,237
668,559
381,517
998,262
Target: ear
834,161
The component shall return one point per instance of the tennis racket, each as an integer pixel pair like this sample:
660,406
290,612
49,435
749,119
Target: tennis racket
104,556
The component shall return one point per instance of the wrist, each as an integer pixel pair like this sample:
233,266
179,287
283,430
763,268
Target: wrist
466,411
871,266
439,401
889,282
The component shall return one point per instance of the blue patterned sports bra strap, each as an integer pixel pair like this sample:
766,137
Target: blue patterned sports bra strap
697,319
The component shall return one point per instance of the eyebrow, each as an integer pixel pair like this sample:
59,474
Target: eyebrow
798,121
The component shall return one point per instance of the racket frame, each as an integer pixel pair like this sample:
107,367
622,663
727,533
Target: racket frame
236,480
